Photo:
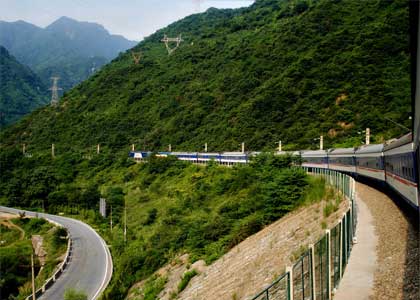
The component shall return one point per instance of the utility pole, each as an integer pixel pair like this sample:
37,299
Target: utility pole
33,275
279,146
98,148
53,150
54,91
110,215
125,221
243,147
367,136
321,142
205,147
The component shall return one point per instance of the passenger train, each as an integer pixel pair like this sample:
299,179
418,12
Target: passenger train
394,164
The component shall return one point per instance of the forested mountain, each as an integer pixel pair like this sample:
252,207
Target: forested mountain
67,48
21,91
278,70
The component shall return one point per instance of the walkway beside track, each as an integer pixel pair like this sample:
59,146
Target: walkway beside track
357,281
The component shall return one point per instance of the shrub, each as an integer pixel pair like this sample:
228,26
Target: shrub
186,279
72,294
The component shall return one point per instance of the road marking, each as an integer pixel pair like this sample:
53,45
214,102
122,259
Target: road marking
108,260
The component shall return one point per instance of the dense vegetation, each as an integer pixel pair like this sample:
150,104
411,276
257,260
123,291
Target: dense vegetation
172,207
67,48
279,70
21,91
15,255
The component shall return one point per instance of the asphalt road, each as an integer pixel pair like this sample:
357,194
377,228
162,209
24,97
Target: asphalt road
90,267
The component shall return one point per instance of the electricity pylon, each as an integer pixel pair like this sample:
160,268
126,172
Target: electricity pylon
136,57
54,90
168,40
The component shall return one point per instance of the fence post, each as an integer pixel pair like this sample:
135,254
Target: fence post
344,231
328,233
290,295
351,225
340,268
312,271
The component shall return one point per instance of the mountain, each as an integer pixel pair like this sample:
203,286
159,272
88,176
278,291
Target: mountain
278,70
21,91
67,48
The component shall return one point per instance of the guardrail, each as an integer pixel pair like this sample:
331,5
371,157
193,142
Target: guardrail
317,273
50,281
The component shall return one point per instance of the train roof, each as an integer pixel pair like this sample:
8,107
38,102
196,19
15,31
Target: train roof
232,153
341,151
406,139
208,153
183,153
370,148
314,152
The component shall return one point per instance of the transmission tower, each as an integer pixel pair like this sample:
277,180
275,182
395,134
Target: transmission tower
54,90
136,57
168,40
197,5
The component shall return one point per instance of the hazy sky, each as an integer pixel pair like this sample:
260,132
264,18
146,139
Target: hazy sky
133,19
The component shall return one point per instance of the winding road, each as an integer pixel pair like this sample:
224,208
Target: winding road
90,267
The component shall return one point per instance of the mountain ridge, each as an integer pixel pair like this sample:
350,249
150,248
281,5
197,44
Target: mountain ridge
21,90
255,75
67,48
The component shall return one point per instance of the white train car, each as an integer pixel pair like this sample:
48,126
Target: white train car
203,158
188,156
342,159
370,161
400,168
231,158
315,159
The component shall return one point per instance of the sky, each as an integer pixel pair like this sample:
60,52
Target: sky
134,19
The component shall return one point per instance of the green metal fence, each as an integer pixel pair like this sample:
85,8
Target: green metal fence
319,270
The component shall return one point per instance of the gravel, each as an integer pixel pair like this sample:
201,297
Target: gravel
397,276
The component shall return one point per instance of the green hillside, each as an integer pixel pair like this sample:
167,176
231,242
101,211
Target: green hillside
288,70
21,91
278,70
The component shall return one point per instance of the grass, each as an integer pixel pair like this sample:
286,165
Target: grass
186,279
153,287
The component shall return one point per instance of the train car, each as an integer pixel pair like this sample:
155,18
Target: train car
163,154
188,156
315,159
203,158
370,162
231,158
138,155
342,159
401,168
